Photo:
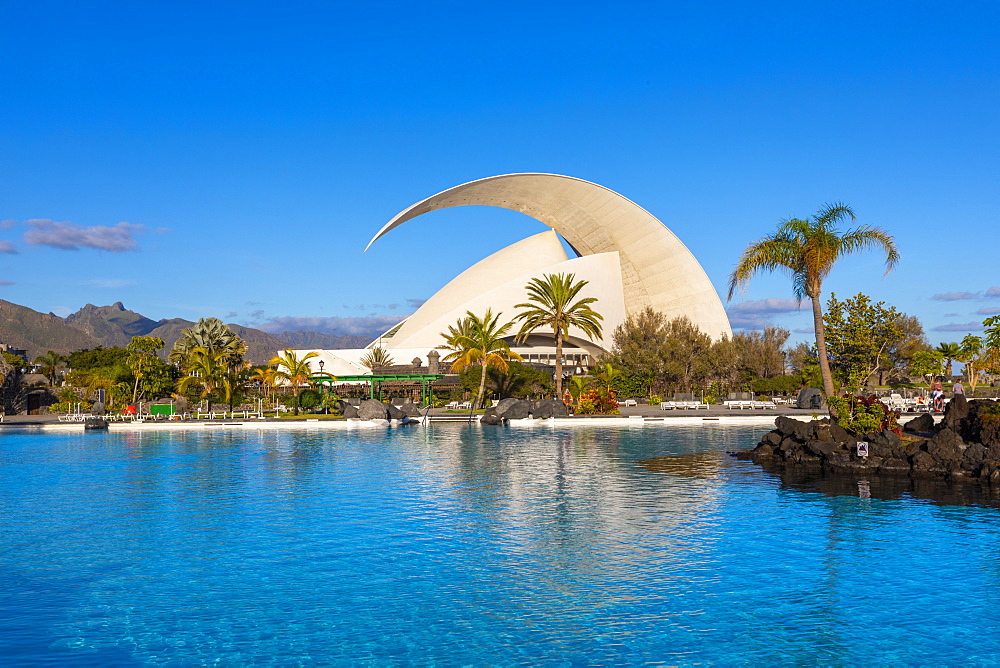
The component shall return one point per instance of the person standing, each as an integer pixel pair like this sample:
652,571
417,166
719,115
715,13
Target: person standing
937,392
957,388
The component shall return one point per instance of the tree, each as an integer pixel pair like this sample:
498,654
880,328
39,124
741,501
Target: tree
673,354
206,369
49,364
142,360
970,354
377,357
927,363
607,375
476,341
949,352
295,371
807,250
265,375
213,336
860,335
577,386
552,303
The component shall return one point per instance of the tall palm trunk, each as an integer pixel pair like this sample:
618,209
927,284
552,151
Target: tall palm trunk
559,346
479,403
824,361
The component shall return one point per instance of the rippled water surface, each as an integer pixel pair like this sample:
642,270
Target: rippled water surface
458,545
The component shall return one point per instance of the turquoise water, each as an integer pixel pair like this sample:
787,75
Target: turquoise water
459,545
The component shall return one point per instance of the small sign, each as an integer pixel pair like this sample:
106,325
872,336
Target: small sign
862,448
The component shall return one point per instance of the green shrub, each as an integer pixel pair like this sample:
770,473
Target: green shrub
309,399
655,399
594,402
863,415
67,406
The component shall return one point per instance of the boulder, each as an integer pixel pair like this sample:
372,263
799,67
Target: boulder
411,409
803,431
95,423
883,441
504,404
490,416
809,397
920,424
772,438
372,409
550,408
989,433
516,411
393,412
946,446
349,411
955,414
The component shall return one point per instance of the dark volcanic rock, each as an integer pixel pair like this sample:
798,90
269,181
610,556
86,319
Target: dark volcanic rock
989,433
792,427
393,412
95,423
921,424
504,404
372,409
490,416
550,408
517,410
349,411
809,397
825,445
955,414
946,446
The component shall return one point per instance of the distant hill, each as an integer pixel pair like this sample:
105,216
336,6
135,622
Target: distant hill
115,325
305,339
38,333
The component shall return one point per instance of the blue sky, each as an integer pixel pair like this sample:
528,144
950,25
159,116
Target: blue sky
233,159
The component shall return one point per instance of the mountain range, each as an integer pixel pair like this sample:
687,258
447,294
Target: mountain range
114,325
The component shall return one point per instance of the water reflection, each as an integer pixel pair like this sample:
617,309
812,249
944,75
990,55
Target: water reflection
889,488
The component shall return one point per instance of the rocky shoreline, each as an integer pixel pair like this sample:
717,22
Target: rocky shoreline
965,445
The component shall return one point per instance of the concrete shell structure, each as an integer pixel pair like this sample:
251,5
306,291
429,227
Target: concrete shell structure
653,267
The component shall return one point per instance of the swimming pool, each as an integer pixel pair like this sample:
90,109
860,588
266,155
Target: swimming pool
456,544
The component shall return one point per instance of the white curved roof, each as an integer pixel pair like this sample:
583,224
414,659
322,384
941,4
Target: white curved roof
657,270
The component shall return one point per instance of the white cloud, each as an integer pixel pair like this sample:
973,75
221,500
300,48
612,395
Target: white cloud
974,326
7,248
67,236
7,223
6,282
993,292
954,296
364,326
757,314
988,310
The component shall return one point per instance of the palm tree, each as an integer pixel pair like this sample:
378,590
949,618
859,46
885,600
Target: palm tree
949,352
214,336
207,369
376,357
807,250
607,375
551,304
294,370
577,386
49,364
265,375
476,341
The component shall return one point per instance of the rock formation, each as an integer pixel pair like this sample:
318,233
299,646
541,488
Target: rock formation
964,446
